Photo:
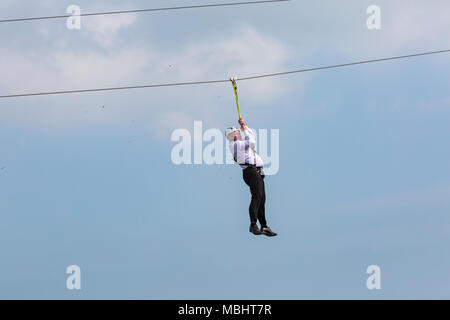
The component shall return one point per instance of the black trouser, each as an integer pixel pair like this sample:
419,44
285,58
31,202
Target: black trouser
255,181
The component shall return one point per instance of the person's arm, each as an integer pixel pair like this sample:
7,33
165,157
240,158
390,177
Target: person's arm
247,132
242,123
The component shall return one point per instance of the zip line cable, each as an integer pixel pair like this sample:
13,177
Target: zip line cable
343,65
224,80
144,10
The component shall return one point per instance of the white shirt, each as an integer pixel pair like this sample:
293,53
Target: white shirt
244,152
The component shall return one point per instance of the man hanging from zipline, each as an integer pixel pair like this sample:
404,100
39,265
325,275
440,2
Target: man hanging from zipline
244,153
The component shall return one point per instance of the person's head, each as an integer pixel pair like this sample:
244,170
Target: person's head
233,134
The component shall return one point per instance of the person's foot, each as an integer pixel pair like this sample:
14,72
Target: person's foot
266,231
254,229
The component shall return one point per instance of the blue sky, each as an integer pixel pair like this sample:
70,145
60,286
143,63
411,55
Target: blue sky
364,173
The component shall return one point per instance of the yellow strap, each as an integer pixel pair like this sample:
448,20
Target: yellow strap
237,101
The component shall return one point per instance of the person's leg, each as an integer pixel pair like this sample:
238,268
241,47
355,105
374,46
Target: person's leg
262,206
254,181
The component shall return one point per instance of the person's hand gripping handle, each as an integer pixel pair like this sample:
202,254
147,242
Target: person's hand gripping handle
242,123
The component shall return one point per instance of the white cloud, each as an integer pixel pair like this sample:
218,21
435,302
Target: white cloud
406,27
245,52
105,29
94,69
67,70
418,24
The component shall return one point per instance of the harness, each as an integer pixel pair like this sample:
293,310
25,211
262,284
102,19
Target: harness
246,152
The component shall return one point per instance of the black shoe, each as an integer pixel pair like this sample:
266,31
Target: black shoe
254,229
268,232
